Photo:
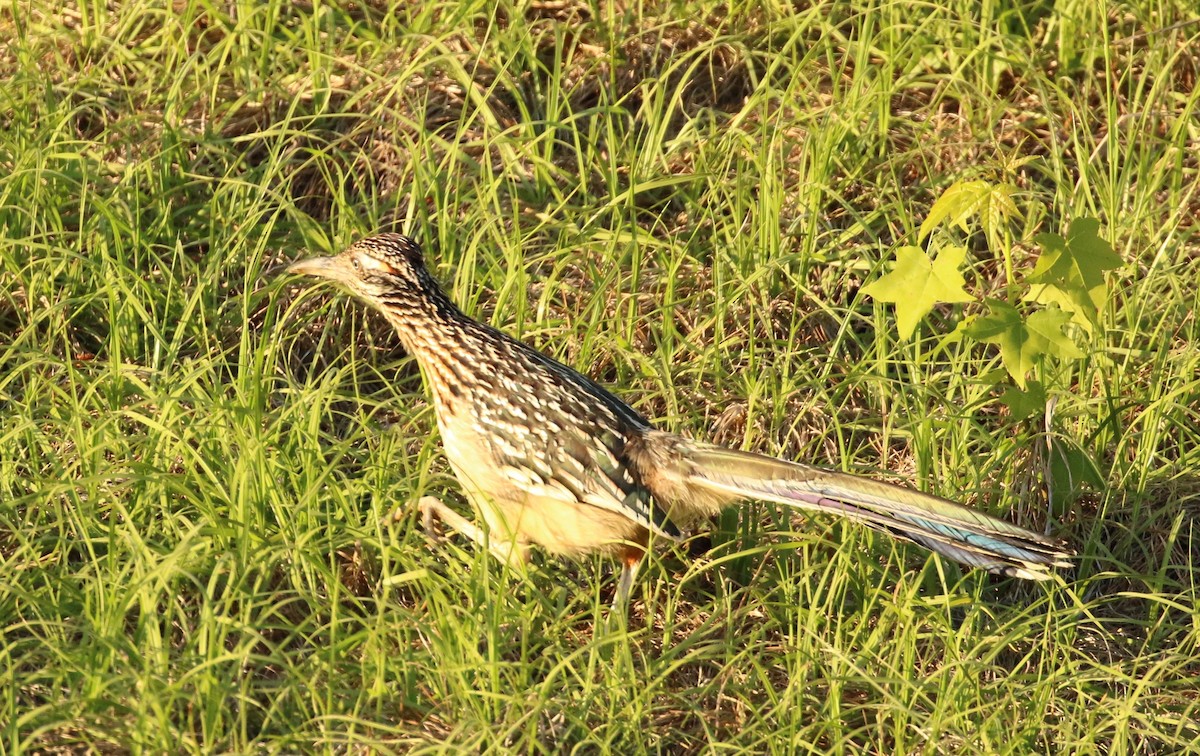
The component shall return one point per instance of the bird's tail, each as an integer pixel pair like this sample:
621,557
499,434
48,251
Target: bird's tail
950,529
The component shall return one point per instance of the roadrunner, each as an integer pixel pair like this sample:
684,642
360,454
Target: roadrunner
546,456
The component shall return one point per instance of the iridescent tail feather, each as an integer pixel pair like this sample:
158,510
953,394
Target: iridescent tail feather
952,530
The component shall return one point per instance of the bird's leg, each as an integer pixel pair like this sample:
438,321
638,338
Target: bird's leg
509,552
631,562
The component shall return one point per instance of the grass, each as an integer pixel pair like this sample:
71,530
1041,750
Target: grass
682,199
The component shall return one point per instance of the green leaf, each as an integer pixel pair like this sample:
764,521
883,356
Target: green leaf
992,202
1046,329
1023,403
1023,340
1070,272
1071,470
999,208
917,283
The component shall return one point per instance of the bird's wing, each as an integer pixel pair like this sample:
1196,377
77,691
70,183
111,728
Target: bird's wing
572,456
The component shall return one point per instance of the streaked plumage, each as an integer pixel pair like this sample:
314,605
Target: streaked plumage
548,457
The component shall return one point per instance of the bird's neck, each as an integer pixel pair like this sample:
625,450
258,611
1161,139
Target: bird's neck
440,336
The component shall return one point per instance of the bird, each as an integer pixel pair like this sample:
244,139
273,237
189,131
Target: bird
547,457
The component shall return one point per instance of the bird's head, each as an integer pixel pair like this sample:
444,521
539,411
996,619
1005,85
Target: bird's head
379,269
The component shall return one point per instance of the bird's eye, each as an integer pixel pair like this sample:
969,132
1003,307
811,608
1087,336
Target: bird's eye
357,265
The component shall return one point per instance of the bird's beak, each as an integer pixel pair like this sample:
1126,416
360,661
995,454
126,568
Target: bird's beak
321,267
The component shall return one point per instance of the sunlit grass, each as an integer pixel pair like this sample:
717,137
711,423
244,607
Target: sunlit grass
196,459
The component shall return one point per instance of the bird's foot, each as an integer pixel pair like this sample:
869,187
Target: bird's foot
508,551
428,506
